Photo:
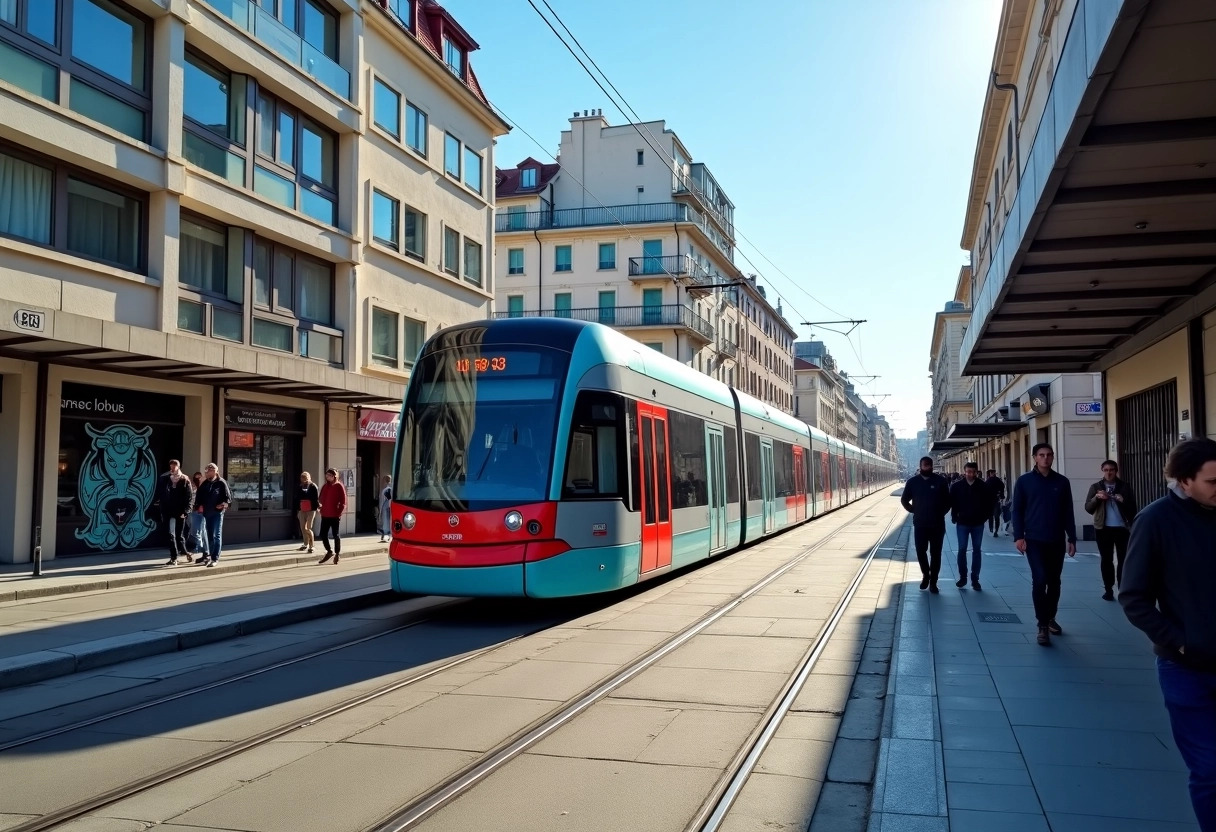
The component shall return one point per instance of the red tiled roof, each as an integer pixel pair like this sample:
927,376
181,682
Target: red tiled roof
803,364
506,180
434,21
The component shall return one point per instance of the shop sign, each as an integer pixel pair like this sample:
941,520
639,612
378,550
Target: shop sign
379,425
257,417
1089,408
30,320
1038,400
112,404
240,439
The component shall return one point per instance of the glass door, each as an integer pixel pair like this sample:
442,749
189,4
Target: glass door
799,485
767,488
716,476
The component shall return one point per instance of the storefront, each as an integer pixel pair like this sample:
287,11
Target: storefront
113,445
263,447
377,437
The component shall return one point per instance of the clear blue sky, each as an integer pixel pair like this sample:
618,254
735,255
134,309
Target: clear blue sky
844,133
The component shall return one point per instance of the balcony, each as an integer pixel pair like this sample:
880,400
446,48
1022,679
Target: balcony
680,266
701,185
728,348
291,47
583,217
668,316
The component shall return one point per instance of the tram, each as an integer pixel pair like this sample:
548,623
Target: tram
549,457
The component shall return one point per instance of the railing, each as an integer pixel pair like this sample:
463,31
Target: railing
579,217
728,348
676,265
266,28
624,317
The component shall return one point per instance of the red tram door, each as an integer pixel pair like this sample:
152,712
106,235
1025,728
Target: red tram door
799,485
654,469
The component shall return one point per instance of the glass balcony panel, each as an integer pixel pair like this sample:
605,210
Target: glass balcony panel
97,105
274,187
275,35
235,10
317,206
317,64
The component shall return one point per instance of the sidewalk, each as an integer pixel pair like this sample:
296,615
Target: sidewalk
1068,738
85,613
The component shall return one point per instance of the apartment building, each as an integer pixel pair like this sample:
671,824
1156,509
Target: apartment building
227,227
627,230
952,401
1089,220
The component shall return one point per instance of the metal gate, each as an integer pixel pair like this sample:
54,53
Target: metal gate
1148,428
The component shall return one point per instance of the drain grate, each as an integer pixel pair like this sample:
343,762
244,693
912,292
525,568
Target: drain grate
998,618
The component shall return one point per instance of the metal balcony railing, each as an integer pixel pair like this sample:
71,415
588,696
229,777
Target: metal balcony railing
676,265
728,348
505,221
627,317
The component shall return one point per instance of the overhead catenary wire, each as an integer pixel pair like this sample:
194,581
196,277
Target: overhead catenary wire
644,133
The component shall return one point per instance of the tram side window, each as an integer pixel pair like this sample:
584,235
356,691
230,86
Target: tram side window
817,469
751,454
783,462
689,484
731,449
595,461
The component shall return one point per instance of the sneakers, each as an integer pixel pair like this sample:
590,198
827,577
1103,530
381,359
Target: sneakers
1108,596
383,539
933,587
210,563
310,550
1055,628
1043,638
976,586
961,582
303,548
204,561
172,562
328,555
924,582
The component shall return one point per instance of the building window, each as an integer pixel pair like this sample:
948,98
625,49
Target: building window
453,56
403,10
527,178
26,195
415,233
657,346
203,257
384,337
472,169
296,295
642,161
451,251
562,259
561,304
472,262
386,108
515,261
294,159
415,336
607,255
100,49
451,155
104,224
313,21
385,211
515,306
415,128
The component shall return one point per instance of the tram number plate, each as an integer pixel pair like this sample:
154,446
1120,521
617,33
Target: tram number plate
998,618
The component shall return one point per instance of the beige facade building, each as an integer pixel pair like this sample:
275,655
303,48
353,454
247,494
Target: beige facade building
643,240
227,227
952,396
1090,225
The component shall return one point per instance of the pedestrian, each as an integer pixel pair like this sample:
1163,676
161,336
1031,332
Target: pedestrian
175,498
1111,501
333,503
195,542
308,501
1169,582
927,497
386,508
996,489
1043,529
213,497
970,507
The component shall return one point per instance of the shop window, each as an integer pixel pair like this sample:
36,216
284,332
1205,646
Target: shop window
98,47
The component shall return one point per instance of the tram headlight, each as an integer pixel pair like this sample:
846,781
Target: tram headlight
409,520
514,521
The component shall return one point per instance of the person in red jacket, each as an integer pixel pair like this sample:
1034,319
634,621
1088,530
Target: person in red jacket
333,503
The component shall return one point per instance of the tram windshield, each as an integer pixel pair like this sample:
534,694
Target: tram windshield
478,428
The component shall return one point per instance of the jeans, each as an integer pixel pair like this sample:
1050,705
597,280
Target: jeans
215,533
307,518
329,524
175,528
1108,541
929,539
976,533
1190,698
198,533
1046,565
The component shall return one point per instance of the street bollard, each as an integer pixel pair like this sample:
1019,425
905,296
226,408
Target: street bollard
37,551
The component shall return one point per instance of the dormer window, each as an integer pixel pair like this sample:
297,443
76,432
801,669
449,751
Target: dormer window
403,10
453,56
527,179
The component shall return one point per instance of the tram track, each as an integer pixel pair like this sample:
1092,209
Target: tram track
441,794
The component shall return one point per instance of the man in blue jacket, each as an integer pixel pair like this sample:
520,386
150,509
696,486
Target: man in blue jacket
1043,528
927,497
1168,584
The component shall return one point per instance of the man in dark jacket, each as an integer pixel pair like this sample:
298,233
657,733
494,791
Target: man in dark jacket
213,497
1169,581
970,507
926,496
1042,522
175,498
996,489
1111,501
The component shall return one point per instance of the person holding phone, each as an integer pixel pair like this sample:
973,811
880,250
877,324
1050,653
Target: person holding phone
1113,504
214,496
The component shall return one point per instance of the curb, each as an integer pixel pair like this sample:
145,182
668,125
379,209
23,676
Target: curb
160,574
89,655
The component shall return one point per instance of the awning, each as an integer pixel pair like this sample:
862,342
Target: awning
982,430
378,425
945,446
